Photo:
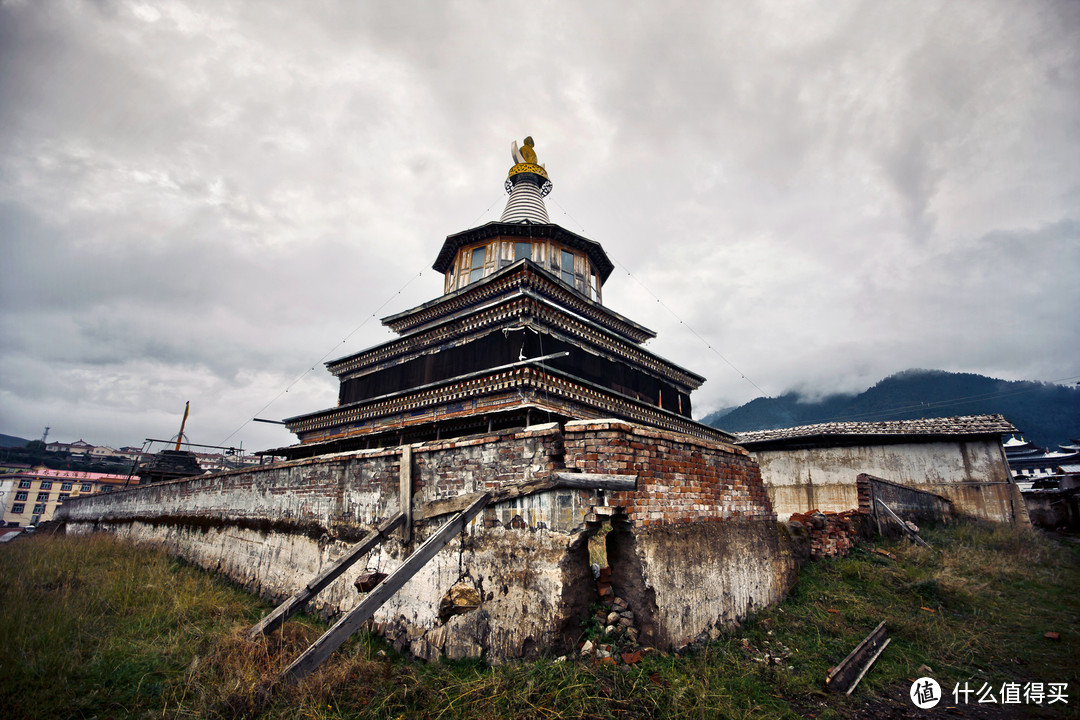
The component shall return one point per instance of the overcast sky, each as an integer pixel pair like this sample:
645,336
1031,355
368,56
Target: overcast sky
203,200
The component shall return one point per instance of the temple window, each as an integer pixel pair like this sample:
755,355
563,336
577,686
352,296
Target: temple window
522,251
476,266
567,267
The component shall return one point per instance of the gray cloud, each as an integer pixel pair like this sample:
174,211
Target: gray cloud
201,201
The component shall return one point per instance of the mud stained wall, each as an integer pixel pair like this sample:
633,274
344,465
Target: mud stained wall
971,473
726,571
695,544
534,586
342,495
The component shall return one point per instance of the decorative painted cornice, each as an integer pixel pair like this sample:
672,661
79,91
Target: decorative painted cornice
523,273
522,385
522,308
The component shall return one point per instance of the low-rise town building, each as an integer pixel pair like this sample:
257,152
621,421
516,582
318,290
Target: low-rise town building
30,497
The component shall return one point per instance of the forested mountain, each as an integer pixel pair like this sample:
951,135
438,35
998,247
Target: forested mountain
1046,414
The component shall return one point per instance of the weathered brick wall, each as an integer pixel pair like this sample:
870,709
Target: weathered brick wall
704,549
487,462
343,495
680,479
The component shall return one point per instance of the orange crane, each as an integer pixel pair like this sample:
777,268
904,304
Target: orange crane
180,437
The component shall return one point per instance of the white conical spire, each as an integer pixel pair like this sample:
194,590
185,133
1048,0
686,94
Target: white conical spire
527,184
526,204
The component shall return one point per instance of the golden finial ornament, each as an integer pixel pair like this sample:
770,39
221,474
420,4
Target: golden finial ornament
525,159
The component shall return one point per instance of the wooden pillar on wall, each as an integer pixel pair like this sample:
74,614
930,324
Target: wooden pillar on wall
405,491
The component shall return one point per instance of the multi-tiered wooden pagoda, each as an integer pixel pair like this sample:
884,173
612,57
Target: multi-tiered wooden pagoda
519,336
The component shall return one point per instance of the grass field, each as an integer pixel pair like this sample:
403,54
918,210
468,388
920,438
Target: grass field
94,628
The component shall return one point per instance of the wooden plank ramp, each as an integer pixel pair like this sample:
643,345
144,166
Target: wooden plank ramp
333,638
291,606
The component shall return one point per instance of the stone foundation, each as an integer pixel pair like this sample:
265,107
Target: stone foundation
693,547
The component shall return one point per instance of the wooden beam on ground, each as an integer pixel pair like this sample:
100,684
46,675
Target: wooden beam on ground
288,608
914,535
332,639
845,676
583,481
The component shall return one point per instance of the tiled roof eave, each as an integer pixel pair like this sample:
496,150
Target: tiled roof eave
524,272
529,373
522,306
925,430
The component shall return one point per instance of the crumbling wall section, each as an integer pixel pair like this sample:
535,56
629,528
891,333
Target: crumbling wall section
273,528
704,533
815,535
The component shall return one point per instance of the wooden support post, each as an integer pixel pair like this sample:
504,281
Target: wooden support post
873,504
405,492
346,626
288,608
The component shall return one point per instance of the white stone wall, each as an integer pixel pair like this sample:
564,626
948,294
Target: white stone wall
972,474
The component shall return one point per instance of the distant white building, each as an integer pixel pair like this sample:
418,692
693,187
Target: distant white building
79,448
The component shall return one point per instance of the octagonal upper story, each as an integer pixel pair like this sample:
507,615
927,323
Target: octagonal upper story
524,232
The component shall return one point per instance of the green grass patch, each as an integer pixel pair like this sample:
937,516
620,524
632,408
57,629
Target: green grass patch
93,627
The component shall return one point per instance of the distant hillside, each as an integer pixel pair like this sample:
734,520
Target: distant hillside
12,441
1047,415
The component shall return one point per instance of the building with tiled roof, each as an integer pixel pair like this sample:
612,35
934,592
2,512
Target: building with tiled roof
1028,461
960,458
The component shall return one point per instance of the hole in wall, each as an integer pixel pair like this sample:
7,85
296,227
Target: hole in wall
622,608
